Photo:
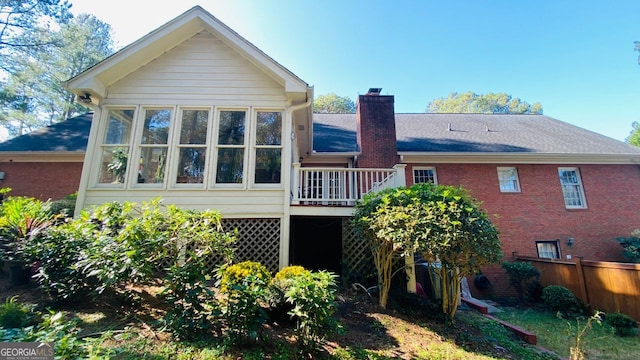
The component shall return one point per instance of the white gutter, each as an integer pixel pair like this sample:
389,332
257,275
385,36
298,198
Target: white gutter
286,179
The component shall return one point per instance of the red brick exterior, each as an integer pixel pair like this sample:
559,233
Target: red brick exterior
46,180
538,212
375,116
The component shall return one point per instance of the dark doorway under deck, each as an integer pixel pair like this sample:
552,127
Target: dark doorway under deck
316,243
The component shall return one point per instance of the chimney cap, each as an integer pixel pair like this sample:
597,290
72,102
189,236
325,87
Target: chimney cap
374,91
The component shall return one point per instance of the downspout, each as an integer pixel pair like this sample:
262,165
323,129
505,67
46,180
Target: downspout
286,218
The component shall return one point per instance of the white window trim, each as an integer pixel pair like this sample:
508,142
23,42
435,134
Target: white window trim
432,168
215,146
136,145
175,144
95,176
507,168
581,193
253,147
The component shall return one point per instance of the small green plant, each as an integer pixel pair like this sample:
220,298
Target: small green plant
561,299
622,324
313,296
525,278
244,285
576,352
14,314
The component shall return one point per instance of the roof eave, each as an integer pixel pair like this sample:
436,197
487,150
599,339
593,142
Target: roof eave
518,157
41,156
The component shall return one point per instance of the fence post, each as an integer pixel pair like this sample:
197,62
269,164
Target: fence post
584,294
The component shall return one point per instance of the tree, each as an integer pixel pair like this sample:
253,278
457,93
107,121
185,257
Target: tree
37,75
442,222
490,103
634,136
24,22
333,104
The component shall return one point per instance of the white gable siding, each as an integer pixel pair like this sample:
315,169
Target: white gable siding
200,71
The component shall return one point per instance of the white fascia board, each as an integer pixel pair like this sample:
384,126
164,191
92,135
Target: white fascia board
41,156
520,158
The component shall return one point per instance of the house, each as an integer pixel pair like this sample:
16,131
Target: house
46,163
197,115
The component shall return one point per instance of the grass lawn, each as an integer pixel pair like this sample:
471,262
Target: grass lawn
558,335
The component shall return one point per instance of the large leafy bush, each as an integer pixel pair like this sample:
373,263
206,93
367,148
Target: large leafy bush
631,246
559,298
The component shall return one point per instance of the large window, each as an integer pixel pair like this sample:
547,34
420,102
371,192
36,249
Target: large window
572,188
425,175
548,249
154,146
508,179
231,147
192,146
115,146
268,147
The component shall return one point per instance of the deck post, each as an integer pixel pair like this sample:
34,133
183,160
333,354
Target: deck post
295,184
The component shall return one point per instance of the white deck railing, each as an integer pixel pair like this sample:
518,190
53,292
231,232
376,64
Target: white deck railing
340,186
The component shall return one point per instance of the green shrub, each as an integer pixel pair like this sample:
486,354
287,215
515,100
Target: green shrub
191,301
65,206
559,298
14,314
525,278
59,252
631,246
313,296
245,287
622,324
23,222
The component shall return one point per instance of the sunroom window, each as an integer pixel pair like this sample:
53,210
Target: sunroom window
115,146
192,147
231,147
268,149
154,146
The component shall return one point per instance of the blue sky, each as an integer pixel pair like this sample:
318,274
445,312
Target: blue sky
574,57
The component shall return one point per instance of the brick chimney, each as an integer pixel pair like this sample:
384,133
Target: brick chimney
376,130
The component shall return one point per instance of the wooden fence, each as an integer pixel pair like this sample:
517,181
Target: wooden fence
604,286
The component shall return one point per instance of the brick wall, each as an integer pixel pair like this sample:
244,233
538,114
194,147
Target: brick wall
375,117
538,211
46,180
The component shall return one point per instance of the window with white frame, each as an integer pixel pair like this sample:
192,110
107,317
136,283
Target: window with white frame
548,249
268,147
231,146
508,179
115,146
192,146
425,175
153,146
572,189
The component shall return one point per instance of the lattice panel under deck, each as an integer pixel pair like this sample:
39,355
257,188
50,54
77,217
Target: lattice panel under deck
258,240
357,259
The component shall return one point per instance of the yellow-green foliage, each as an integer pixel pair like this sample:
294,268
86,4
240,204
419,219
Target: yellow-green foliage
237,274
289,272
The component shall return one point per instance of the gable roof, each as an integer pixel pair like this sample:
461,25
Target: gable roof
426,133
70,135
95,80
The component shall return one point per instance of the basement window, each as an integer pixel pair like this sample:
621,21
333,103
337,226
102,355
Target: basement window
548,249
